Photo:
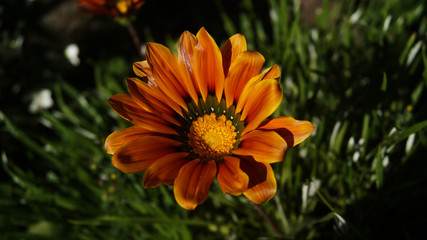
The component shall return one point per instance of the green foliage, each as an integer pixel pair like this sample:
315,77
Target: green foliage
357,71
353,72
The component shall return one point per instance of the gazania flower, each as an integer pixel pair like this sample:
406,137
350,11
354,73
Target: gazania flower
111,8
201,115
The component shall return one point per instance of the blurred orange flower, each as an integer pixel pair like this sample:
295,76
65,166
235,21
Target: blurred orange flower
111,8
200,115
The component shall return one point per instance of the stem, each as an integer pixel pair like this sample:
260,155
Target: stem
135,39
261,211
282,215
324,200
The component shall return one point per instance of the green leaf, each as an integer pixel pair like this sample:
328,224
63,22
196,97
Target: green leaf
379,171
27,141
404,134
384,83
408,46
125,220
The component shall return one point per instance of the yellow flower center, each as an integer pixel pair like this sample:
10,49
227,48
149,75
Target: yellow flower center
212,137
123,6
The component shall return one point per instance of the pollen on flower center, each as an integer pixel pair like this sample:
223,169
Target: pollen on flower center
123,6
212,137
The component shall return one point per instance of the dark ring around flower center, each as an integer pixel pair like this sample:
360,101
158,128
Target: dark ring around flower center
200,110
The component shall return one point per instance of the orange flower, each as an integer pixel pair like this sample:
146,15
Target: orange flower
200,115
111,8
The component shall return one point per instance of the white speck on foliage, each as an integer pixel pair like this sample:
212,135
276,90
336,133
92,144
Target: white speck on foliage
356,156
355,16
41,100
273,15
308,191
341,226
410,143
72,54
387,22
350,143
413,53
386,161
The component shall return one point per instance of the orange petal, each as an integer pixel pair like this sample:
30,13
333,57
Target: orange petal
264,146
154,95
169,73
191,186
142,69
235,45
247,65
153,100
207,63
154,123
136,91
270,73
139,154
256,171
165,169
264,100
264,191
126,107
230,177
137,3
119,138
187,43
293,131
